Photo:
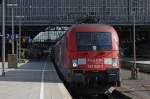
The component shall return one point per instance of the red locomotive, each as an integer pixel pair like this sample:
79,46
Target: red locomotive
89,54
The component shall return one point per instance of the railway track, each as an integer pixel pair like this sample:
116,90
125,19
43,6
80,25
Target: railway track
114,95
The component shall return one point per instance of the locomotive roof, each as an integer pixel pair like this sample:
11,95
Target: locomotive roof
95,26
91,28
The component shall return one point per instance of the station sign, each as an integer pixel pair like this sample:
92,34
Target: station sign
24,39
11,37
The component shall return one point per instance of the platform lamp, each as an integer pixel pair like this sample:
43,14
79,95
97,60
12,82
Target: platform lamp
12,7
3,38
134,70
20,24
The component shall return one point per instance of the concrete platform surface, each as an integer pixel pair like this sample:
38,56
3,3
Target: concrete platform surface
33,80
139,60
137,89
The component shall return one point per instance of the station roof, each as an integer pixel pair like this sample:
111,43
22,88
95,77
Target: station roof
48,35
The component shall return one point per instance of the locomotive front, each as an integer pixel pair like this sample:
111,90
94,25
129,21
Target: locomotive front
95,55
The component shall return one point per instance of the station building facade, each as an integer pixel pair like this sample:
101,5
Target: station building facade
122,14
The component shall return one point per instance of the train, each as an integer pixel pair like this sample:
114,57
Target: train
88,56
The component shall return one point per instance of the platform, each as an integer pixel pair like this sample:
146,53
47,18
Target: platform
138,60
142,64
136,89
33,80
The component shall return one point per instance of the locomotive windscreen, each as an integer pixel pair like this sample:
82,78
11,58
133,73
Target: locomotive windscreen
89,41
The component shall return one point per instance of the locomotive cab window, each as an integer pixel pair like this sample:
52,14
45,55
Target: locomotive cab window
88,41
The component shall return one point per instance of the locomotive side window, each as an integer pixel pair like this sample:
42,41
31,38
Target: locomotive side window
102,41
66,42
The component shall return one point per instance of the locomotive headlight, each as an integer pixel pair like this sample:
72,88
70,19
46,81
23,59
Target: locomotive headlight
81,61
74,63
115,63
108,61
